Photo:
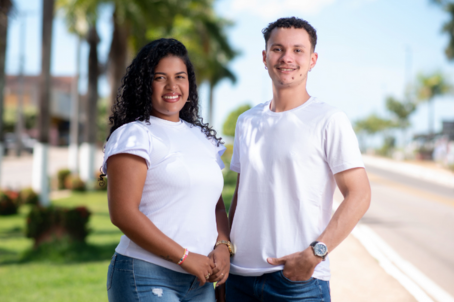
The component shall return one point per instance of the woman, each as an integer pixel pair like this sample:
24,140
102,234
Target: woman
165,182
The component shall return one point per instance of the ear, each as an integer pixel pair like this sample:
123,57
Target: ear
264,57
314,58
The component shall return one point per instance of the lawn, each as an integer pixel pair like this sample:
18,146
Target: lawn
62,272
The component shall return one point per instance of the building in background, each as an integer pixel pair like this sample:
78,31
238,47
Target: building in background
60,103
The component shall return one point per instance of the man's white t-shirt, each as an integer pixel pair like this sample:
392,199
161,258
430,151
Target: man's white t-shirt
287,162
183,184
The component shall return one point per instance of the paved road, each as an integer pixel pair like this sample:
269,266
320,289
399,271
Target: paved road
417,220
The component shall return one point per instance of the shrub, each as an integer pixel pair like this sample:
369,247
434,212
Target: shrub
47,223
61,177
73,182
230,178
28,196
9,202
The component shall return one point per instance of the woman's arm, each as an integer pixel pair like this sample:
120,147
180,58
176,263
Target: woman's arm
126,177
221,254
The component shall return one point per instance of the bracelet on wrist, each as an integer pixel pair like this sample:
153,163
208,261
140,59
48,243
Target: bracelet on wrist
186,252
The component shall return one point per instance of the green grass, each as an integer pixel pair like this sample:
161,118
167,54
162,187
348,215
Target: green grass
57,272
61,271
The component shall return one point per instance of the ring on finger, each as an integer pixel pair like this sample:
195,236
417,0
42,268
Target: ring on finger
207,276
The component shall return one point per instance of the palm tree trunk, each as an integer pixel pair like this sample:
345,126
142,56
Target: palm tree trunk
4,10
430,108
88,147
40,151
210,104
117,59
73,159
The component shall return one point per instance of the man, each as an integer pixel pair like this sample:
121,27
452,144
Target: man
289,154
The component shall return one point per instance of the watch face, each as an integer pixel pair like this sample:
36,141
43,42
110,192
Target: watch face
320,249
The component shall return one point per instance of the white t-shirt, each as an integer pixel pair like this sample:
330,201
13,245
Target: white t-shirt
183,185
287,161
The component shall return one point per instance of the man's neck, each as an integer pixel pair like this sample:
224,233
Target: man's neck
288,98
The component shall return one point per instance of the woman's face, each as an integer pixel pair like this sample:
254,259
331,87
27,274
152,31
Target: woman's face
170,88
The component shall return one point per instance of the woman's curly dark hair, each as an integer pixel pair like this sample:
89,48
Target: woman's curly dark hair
133,102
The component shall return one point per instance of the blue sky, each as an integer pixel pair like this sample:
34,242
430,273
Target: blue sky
364,47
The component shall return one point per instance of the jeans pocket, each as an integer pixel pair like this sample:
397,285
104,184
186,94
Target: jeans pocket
110,271
281,273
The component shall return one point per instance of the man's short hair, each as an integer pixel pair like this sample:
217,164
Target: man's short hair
288,23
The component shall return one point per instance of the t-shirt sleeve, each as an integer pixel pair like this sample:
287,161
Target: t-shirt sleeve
341,146
131,138
235,162
219,151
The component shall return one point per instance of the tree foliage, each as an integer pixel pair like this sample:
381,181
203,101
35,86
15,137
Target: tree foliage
373,124
448,27
230,123
401,111
432,85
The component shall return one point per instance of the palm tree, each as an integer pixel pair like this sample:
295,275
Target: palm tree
5,8
88,147
429,86
218,73
81,16
219,54
40,152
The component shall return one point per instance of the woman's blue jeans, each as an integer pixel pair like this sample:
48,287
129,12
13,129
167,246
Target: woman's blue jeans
130,279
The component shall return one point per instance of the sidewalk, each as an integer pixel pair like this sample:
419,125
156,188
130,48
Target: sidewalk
357,277
17,171
427,171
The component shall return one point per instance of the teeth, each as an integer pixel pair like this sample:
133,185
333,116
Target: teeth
286,69
171,97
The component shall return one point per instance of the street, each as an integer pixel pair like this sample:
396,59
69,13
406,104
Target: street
415,218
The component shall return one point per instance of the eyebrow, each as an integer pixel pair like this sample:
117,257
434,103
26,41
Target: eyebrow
181,72
296,45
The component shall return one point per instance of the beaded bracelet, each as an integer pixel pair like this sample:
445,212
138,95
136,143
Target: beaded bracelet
186,252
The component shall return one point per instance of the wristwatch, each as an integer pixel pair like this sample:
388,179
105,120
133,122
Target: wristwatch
320,249
229,246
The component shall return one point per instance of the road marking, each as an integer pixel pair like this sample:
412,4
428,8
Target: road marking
412,279
410,190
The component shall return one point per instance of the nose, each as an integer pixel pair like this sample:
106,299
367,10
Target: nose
171,84
287,57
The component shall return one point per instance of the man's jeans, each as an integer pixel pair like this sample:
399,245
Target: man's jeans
274,287
130,279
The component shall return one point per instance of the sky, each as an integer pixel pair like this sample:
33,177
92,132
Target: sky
368,50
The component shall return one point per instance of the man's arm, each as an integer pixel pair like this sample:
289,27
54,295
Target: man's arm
354,186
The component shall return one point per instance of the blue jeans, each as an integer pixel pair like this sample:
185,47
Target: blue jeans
130,279
275,287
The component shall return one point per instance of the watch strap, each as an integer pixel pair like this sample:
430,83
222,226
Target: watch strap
226,242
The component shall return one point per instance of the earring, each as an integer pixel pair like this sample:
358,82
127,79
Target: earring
266,67
188,101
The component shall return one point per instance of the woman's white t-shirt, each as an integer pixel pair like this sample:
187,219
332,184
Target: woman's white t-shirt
184,182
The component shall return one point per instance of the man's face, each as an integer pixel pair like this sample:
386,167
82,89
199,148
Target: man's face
289,56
